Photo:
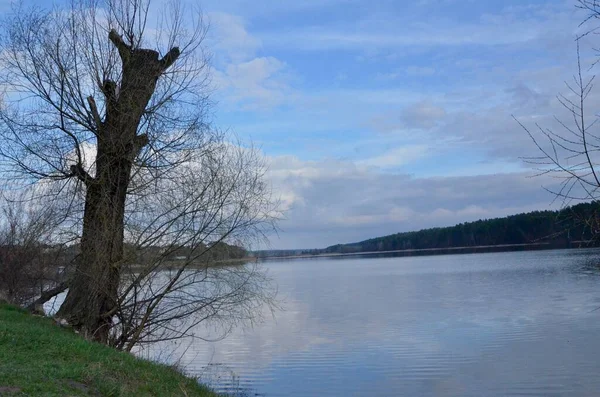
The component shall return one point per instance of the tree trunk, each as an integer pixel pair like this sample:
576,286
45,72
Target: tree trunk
93,288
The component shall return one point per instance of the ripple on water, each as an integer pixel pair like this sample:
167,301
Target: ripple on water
512,324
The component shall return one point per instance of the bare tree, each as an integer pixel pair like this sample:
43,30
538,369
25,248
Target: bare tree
125,129
174,280
571,152
30,259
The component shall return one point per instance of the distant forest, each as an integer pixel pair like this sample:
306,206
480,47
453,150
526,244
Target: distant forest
574,226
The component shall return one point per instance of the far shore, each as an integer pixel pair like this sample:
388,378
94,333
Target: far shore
174,264
435,251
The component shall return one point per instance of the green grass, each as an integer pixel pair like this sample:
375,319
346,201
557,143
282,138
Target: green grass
38,358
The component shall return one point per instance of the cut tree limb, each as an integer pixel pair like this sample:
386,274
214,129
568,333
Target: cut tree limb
37,305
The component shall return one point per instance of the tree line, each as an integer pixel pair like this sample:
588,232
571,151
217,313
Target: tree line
577,225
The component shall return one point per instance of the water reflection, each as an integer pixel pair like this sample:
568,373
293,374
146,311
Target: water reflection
501,324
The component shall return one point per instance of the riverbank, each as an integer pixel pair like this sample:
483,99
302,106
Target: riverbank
476,249
425,251
38,357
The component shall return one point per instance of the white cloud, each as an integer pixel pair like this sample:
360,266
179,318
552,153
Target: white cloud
334,201
254,84
397,156
450,88
272,7
502,29
243,78
231,38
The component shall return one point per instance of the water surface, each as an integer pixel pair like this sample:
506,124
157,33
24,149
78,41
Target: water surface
501,324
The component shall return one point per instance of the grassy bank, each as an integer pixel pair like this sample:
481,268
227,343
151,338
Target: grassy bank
38,358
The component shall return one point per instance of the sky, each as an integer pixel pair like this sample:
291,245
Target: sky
384,116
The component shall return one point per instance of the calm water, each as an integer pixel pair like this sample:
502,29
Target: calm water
502,324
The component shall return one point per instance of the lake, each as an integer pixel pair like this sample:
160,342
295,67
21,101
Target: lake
498,324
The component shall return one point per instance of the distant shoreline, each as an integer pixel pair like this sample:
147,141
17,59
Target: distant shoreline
437,251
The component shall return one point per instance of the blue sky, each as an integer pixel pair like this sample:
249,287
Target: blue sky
384,116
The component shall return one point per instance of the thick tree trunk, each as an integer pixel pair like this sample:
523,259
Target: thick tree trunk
93,289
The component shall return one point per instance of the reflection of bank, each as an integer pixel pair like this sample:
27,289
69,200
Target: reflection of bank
223,379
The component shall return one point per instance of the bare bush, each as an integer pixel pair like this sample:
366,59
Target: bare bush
30,260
